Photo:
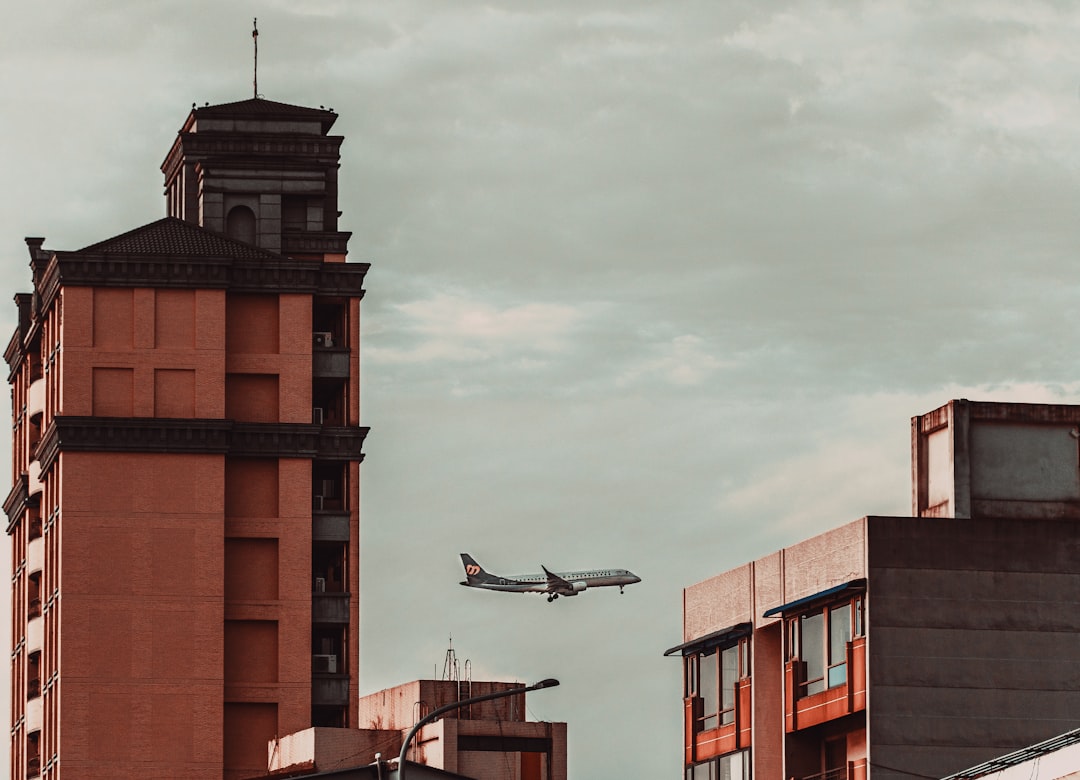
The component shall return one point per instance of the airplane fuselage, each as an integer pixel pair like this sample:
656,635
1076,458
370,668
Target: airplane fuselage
538,583
554,584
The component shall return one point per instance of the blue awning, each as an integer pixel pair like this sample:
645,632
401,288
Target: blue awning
793,606
723,636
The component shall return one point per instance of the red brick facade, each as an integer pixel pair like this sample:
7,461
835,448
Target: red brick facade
187,441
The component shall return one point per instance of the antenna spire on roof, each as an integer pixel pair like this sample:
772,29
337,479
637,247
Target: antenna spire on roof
255,40
451,670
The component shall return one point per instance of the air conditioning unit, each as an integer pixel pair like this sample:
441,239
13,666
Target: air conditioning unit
324,663
320,584
317,415
324,339
317,502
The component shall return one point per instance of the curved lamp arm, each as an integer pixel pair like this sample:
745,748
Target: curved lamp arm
434,714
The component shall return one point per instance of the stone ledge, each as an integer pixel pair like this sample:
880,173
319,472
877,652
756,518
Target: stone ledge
224,437
283,276
17,501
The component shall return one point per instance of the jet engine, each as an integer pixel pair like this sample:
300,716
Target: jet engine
578,587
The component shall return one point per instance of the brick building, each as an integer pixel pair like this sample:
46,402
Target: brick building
186,448
898,647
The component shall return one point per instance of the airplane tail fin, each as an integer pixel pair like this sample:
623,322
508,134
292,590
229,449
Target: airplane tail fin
474,572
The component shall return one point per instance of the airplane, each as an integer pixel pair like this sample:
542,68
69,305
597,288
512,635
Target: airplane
554,585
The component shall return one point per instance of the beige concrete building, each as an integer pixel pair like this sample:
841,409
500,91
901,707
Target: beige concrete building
903,646
490,740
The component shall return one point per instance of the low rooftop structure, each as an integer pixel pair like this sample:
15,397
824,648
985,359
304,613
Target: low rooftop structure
489,740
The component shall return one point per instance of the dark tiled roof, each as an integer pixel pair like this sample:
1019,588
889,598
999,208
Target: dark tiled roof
174,237
268,109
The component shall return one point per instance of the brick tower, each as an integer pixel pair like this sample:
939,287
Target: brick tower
186,459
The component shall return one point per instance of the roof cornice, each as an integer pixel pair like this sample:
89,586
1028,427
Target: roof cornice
198,436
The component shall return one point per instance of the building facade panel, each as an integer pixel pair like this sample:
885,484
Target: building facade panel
928,658
718,602
768,587
836,556
984,609
149,623
768,723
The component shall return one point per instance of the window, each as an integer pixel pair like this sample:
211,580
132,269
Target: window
300,213
240,224
819,639
293,213
33,754
35,523
33,595
733,766
713,675
33,675
839,636
835,756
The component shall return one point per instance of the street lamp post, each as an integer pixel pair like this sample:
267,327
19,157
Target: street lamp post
434,714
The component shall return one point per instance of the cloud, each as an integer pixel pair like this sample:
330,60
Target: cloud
858,459
683,361
452,327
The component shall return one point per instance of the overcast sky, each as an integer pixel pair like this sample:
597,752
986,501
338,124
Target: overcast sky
654,285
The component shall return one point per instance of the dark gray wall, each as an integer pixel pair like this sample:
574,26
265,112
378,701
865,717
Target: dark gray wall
974,639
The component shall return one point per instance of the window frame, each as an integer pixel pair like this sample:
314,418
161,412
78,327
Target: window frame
719,767
695,685
832,650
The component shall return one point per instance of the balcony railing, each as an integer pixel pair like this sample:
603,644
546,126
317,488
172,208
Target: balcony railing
33,766
33,609
330,607
329,525
33,688
329,690
329,363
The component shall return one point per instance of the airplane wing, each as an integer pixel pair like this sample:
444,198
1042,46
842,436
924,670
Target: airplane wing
555,583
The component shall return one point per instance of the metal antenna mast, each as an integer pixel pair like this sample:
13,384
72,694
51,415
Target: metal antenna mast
451,670
255,40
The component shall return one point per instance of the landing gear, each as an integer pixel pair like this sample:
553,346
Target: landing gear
552,597
620,590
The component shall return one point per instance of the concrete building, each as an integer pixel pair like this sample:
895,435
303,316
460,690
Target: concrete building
186,448
903,646
489,740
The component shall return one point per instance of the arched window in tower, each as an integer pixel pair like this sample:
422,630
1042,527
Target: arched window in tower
240,224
